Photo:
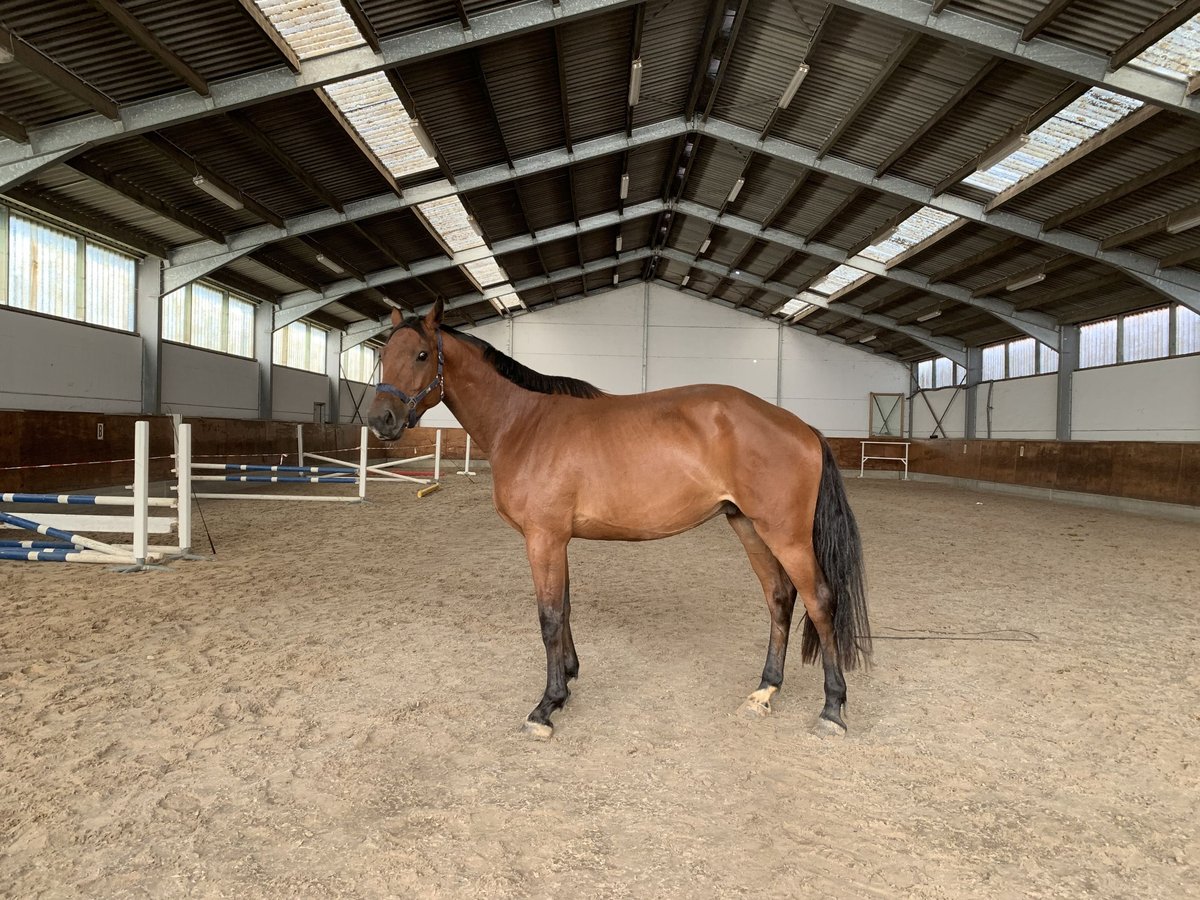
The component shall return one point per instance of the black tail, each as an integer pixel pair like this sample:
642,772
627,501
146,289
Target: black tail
839,553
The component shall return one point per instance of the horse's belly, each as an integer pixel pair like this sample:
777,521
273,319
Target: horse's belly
638,520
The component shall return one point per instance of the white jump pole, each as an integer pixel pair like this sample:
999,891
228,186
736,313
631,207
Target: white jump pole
466,470
437,456
362,463
183,491
141,491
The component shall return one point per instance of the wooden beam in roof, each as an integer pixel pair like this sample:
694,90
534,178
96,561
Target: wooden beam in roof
272,34
54,207
981,258
1154,226
937,6
1092,144
833,214
826,15
562,87
1191,254
1092,286
700,71
13,130
379,245
1045,16
726,56
355,11
1178,164
1054,264
336,258
188,164
894,60
944,110
902,295
242,121
29,57
363,146
267,259
463,18
242,284
146,39
1157,30
635,53
920,247
113,182
1040,115
875,236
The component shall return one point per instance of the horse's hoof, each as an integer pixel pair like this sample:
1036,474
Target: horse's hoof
827,728
759,703
537,731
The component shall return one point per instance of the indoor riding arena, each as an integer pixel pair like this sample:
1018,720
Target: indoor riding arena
354,354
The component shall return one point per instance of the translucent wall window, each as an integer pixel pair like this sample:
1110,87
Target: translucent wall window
993,363
240,323
1147,335
358,364
1022,358
1187,331
43,273
316,350
1098,344
300,346
925,373
207,317
174,316
110,290
1049,359
943,372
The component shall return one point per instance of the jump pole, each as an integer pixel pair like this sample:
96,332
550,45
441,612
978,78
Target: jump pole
362,463
466,469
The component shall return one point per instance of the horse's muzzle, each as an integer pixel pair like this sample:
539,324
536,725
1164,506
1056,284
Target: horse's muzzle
386,424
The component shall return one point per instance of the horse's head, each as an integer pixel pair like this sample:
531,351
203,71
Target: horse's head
411,379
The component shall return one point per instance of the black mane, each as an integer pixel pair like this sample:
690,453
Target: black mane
520,375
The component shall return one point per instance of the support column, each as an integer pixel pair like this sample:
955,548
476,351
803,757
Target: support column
333,369
1068,362
974,375
264,323
149,326
645,337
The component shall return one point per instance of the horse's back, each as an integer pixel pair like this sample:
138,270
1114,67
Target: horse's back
642,466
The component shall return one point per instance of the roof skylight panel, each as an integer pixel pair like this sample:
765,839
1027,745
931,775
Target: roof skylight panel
371,106
1177,55
312,27
919,227
506,302
840,278
452,222
1087,116
486,272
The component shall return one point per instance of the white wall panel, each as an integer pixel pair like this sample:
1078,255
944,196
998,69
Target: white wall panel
1157,400
293,393
954,420
1021,408
203,383
48,363
829,386
355,392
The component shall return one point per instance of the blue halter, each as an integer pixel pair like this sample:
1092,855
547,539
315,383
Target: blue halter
411,403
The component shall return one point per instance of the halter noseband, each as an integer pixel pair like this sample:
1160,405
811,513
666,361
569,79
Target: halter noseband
412,402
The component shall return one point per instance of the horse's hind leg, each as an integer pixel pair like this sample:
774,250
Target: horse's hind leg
781,599
548,562
570,659
800,562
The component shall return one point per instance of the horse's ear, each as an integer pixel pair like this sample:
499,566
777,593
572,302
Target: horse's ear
434,317
397,318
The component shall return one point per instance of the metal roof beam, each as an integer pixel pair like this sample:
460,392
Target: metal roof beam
1176,165
1048,14
1039,326
304,303
1177,284
997,39
29,57
272,34
415,46
146,39
196,260
949,347
885,72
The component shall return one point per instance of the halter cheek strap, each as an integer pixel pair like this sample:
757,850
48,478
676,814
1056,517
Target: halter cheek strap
411,403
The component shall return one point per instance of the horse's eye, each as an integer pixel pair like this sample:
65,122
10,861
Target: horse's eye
422,356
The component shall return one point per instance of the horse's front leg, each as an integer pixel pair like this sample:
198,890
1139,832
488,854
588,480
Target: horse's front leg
548,561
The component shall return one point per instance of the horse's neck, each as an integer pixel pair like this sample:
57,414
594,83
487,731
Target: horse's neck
486,404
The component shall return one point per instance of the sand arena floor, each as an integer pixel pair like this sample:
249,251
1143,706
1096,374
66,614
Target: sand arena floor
331,708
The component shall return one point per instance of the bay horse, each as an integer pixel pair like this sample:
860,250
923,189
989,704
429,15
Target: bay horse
569,460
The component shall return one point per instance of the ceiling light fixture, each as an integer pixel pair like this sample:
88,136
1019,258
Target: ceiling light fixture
867,339
1003,150
735,190
616,278
213,191
422,137
6,56
1026,281
929,315
330,264
684,281
1177,223
704,246
624,185
635,82
619,242
794,85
